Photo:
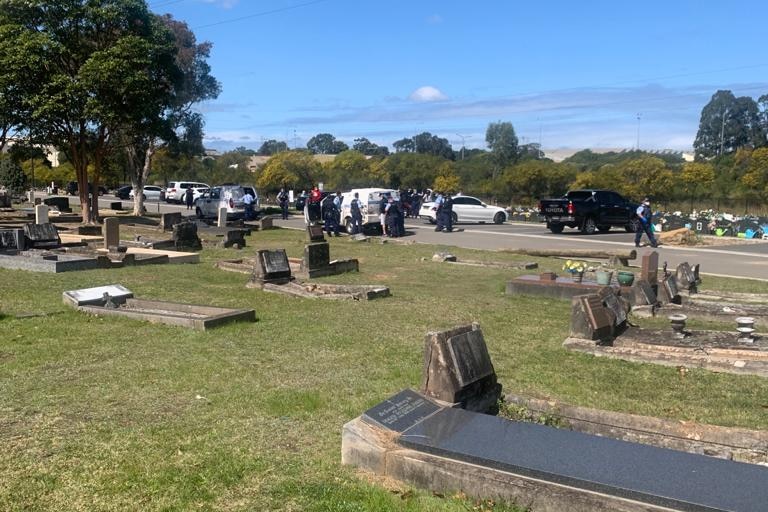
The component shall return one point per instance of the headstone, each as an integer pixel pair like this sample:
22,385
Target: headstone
185,236
266,223
234,238
116,205
315,233
96,296
272,266
316,255
401,412
42,236
168,220
222,220
696,275
685,277
548,276
111,232
60,203
12,240
90,230
650,267
615,306
41,214
458,369
590,319
668,291
5,199
643,293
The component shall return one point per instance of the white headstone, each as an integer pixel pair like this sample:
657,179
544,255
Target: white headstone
41,214
222,218
88,296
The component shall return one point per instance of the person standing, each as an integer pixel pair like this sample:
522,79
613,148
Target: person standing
392,215
330,216
313,205
248,200
447,214
282,198
645,215
356,211
189,197
438,208
383,213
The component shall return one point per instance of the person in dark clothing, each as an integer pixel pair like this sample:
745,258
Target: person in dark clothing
282,198
189,195
313,205
392,216
447,213
644,214
330,216
356,211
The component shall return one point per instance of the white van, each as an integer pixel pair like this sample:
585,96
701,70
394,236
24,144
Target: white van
370,200
176,190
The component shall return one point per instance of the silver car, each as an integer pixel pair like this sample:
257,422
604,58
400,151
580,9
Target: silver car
228,196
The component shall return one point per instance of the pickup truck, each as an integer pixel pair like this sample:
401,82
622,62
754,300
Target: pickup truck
589,211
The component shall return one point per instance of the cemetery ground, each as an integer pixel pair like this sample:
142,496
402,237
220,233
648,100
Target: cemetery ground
115,414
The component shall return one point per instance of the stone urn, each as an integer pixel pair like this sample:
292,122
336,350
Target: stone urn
625,278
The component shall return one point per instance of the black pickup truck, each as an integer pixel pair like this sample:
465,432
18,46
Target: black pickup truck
590,211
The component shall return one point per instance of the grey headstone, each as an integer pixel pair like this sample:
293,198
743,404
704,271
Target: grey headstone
185,236
60,203
650,267
272,266
12,239
315,233
95,296
168,220
685,277
458,369
669,291
222,219
614,305
590,319
41,214
643,293
401,412
42,235
316,255
111,232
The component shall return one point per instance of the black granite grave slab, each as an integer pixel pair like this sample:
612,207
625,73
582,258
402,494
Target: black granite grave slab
12,240
42,235
276,263
657,476
401,412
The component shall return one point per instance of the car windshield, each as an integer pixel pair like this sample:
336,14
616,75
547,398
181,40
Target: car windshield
579,195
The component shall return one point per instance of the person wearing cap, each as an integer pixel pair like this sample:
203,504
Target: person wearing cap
644,214
356,211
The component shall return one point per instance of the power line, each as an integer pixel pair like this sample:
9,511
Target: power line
167,2
264,13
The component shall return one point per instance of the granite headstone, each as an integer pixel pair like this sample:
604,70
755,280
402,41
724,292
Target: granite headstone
42,236
590,319
650,267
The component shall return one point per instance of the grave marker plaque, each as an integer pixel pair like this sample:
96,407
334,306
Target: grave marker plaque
272,266
685,276
650,268
42,235
669,290
590,319
470,357
614,305
185,236
12,240
315,233
401,412
168,220
316,255
643,294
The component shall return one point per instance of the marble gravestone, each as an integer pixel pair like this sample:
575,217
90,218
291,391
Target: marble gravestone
590,319
315,233
458,370
685,277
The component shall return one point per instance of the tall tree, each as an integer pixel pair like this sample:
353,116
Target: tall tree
404,145
502,142
429,144
728,123
291,169
368,148
326,144
272,147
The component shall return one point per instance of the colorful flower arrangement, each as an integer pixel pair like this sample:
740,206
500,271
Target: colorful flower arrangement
575,267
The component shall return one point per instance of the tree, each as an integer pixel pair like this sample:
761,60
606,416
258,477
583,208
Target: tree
407,170
429,144
368,148
502,142
326,144
756,177
272,147
728,123
291,169
350,169
446,180
404,145
11,176
696,179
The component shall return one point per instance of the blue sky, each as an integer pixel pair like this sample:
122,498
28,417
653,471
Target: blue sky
567,74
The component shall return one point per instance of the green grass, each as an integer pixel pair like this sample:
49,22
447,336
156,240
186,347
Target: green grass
113,414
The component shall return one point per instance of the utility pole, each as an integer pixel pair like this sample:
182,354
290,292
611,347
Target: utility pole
638,131
463,137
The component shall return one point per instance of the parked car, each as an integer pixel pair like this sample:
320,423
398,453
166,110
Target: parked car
176,190
370,199
124,192
72,188
466,209
226,196
151,193
590,211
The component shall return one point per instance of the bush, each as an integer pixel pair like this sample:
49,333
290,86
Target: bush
11,176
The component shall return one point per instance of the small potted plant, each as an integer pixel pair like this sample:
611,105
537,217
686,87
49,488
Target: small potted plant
576,269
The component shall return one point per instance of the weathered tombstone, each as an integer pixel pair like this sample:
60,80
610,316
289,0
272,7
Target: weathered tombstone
643,293
42,236
668,292
116,205
317,255
5,199
458,370
111,232
685,277
696,275
185,236
168,220
41,214
650,268
590,319
61,203
266,223
315,233
12,240
615,306
272,266
222,220
234,238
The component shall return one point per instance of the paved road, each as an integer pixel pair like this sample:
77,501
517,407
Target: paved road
748,260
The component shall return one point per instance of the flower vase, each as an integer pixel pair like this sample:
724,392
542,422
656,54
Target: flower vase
577,277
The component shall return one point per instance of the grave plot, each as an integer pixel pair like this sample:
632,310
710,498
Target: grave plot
413,438
116,300
594,331
317,257
549,284
443,257
37,260
272,272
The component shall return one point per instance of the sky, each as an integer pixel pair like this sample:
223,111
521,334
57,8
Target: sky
566,74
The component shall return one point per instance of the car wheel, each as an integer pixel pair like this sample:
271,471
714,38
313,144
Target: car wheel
556,228
499,218
199,213
589,227
454,218
431,220
633,226
603,229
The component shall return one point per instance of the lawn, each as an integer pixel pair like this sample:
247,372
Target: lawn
114,414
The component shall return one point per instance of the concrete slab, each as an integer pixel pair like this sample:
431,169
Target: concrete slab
89,296
173,256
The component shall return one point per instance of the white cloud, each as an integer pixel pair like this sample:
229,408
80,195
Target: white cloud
427,94
224,4
434,19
